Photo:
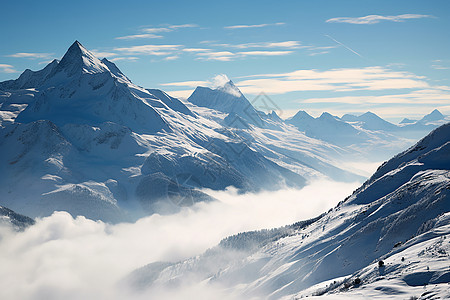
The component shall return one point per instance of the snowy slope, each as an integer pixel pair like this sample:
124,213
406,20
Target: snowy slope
364,136
83,138
415,128
401,211
366,133
329,128
18,222
227,98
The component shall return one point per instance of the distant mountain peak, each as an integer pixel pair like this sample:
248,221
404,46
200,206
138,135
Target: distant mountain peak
369,114
407,121
302,115
327,116
435,115
223,83
224,96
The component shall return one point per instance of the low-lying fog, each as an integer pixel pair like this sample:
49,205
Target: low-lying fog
65,258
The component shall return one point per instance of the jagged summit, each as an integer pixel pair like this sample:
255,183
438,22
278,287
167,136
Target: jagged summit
224,96
230,88
30,79
78,59
81,89
115,70
274,116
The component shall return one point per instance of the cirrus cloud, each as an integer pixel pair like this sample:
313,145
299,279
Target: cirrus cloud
150,49
30,55
254,26
5,68
373,19
150,33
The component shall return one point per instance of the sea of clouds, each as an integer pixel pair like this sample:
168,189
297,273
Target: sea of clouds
62,257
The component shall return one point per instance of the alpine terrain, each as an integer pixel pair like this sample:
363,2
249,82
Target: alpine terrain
79,136
389,239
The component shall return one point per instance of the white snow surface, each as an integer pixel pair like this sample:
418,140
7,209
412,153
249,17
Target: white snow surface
81,137
400,216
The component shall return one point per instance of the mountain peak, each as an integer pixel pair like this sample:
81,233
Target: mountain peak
80,60
224,96
327,116
369,114
223,83
407,121
302,115
115,70
435,115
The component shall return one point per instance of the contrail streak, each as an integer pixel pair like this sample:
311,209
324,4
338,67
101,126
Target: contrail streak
344,46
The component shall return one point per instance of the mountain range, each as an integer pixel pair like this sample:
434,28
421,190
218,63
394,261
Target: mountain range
389,239
79,136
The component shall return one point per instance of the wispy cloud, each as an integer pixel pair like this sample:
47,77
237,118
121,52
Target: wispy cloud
286,44
439,64
344,90
158,50
125,58
157,29
139,36
373,19
426,96
253,26
264,53
30,55
217,55
227,55
4,68
196,50
183,26
318,53
101,54
173,57
191,83
150,33
336,80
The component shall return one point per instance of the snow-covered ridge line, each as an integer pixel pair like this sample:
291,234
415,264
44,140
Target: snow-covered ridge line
393,221
85,139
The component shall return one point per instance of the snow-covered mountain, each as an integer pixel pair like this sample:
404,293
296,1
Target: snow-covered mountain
327,127
361,136
389,239
80,136
227,98
17,221
370,121
367,133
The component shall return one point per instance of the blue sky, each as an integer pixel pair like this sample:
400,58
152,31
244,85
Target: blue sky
389,57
